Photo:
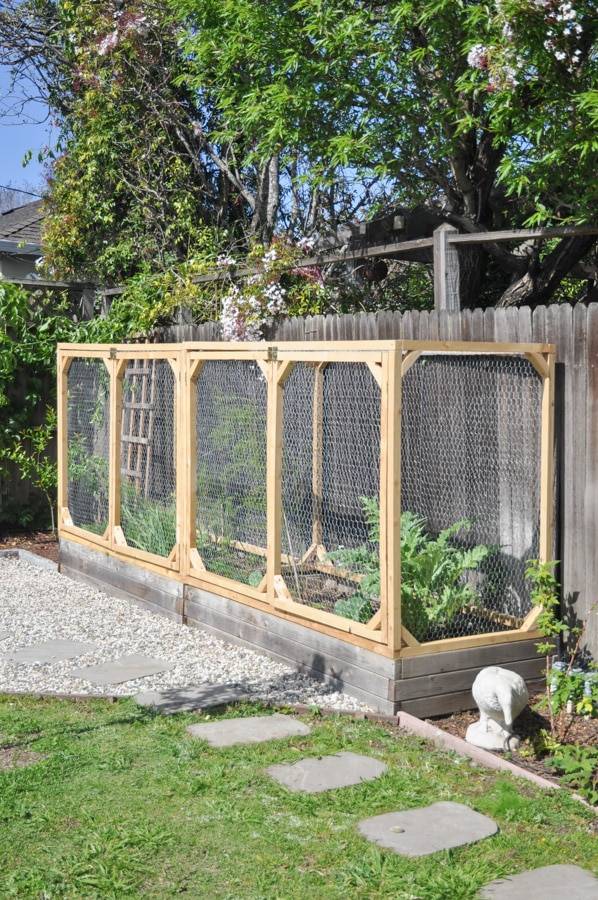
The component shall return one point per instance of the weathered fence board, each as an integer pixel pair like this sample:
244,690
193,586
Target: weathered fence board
574,330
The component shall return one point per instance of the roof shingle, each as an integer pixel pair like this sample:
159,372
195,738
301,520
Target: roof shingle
23,223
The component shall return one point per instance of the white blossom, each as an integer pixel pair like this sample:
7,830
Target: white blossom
477,57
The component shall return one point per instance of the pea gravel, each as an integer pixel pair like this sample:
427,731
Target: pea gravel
38,604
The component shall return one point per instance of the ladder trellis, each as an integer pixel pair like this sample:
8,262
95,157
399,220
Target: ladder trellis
138,423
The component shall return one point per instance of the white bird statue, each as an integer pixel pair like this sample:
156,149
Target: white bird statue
501,696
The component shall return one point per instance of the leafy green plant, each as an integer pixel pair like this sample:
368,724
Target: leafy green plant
433,586
148,524
88,470
29,452
545,594
433,570
578,768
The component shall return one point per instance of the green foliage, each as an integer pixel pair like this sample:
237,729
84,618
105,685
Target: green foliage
578,769
125,186
146,523
30,326
569,685
28,450
545,594
433,585
387,88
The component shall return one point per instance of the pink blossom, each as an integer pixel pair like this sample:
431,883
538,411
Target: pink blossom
108,43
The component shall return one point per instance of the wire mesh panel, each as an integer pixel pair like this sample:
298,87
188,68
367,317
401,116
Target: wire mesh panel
470,496
330,488
148,456
88,441
231,398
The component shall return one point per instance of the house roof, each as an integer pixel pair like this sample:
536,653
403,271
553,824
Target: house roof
23,224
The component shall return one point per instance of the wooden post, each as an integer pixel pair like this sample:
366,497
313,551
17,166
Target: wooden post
279,372
446,270
194,368
181,455
317,450
62,368
547,465
117,369
390,501
546,543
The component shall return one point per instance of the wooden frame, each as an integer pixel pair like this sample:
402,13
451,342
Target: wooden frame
388,362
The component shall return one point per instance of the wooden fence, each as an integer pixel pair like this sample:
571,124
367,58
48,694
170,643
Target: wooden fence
250,462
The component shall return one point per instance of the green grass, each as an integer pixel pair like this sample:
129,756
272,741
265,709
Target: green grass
125,804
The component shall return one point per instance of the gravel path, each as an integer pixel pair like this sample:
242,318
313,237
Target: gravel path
36,605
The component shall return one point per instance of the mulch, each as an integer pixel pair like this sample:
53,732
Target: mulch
533,720
44,543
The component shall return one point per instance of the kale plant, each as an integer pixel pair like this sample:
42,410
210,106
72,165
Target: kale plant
433,569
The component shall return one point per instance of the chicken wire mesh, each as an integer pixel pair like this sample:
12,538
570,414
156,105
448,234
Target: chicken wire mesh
470,463
148,456
231,398
330,488
88,443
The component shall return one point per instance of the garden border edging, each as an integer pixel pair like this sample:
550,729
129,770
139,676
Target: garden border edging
27,556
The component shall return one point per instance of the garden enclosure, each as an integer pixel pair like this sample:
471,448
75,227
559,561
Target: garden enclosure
385,494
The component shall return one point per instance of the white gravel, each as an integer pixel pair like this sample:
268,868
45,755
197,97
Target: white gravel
37,604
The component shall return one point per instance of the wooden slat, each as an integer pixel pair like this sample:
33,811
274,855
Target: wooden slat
472,640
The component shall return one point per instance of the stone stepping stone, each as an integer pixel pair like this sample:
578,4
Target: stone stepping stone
428,829
54,650
327,772
189,699
126,668
547,883
251,730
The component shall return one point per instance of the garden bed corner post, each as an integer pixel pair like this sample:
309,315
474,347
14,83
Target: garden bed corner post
390,518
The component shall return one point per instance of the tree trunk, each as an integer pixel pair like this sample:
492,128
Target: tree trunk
542,279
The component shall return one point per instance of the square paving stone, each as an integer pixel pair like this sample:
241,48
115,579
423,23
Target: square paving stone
188,699
252,730
50,651
126,668
547,883
327,772
418,832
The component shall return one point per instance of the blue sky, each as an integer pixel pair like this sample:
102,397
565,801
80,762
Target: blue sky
17,136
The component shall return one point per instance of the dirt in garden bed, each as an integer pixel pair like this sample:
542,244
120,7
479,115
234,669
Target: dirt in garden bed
533,720
44,543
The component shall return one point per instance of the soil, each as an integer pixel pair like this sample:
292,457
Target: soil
533,720
11,758
44,543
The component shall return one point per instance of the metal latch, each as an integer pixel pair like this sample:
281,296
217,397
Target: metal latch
272,353
112,352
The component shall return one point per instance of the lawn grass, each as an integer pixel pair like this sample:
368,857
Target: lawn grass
125,804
